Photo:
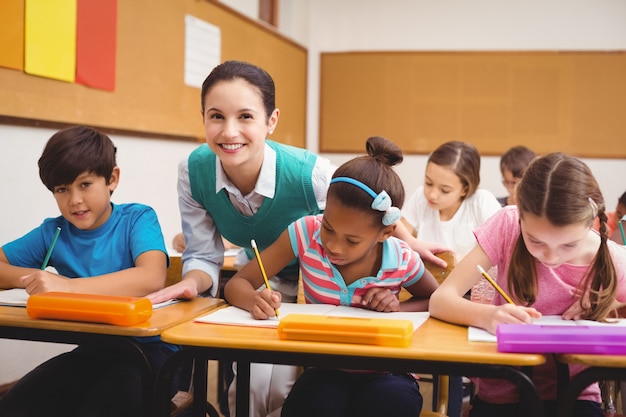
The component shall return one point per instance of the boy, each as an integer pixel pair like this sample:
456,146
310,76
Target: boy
102,248
513,163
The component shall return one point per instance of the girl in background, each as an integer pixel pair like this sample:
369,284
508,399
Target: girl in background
348,257
449,206
447,209
550,261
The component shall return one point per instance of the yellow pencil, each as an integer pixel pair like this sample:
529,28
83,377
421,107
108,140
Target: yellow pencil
258,258
493,283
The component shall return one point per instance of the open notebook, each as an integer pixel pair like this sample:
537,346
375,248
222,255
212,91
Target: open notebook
17,297
14,297
475,334
237,317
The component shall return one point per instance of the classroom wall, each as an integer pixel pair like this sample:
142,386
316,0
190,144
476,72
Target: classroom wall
459,25
149,165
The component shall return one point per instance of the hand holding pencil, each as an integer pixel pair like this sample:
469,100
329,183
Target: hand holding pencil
258,258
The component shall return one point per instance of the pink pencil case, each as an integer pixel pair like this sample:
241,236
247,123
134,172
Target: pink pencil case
533,338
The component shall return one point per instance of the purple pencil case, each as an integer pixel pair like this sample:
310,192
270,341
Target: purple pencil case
534,338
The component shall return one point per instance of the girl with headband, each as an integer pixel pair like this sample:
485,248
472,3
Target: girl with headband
348,256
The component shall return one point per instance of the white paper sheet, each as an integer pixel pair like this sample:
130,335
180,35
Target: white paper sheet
14,297
237,317
203,43
475,334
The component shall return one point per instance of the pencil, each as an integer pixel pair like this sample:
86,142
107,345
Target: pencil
493,283
258,258
44,265
621,228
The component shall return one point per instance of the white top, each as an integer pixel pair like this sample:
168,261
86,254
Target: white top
456,233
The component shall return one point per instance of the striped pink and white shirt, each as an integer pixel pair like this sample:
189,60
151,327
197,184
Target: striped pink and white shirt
323,283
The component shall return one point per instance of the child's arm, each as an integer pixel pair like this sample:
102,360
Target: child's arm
448,302
426,250
188,287
10,274
146,276
241,289
421,292
382,299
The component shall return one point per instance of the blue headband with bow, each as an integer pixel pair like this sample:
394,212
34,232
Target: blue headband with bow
382,201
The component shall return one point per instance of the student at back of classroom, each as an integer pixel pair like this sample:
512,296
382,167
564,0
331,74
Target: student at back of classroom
513,163
447,209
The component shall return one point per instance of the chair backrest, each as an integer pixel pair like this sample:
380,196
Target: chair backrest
175,271
438,272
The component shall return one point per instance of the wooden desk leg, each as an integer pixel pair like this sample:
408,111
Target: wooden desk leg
243,389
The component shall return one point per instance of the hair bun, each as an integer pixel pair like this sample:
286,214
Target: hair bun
383,150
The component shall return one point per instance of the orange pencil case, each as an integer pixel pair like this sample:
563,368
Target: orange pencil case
370,331
109,309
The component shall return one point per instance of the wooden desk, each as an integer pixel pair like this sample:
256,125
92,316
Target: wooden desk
437,347
16,324
601,367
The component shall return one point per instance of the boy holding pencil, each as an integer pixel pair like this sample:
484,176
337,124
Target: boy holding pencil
95,247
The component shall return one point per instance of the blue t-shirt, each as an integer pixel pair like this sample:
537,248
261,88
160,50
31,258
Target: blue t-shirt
131,230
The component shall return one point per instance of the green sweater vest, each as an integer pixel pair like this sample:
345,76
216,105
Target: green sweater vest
293,198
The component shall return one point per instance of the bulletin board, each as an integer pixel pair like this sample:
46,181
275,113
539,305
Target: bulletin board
150,96
574,102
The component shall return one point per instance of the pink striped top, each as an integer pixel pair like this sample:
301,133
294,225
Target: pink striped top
323,283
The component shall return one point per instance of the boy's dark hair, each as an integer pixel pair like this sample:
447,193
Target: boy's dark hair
374,170
463,159
74,150
622,200
255,76
516,160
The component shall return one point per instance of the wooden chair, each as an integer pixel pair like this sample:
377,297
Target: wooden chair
175,271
